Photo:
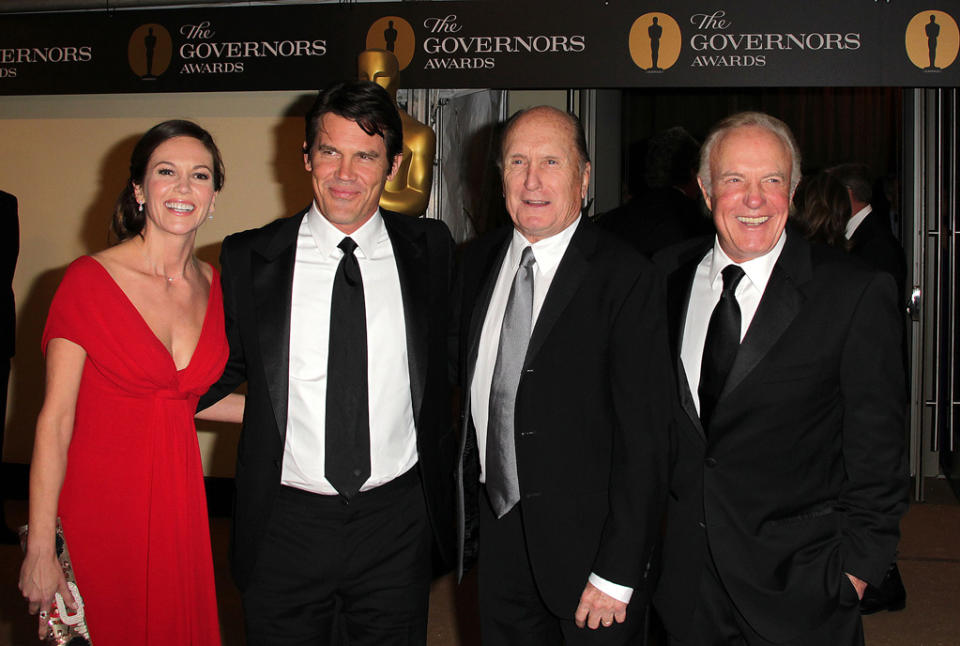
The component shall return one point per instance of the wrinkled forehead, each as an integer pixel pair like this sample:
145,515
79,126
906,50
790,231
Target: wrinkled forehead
753,144
541,133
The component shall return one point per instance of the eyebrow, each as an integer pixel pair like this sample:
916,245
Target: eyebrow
369,153
170,163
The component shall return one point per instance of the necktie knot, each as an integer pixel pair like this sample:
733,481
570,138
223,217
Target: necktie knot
347,245
732,274
527,259
351,268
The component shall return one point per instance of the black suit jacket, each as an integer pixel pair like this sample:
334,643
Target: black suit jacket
257,282
591,429
9,250
803,475
875,244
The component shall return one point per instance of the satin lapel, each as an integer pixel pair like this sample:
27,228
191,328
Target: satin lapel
570,273
480,309
778,307
272,269
679,285
411,257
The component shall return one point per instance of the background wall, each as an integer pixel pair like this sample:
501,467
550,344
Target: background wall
65,158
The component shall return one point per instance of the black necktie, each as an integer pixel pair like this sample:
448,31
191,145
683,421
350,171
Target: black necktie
720,347
502,481
347,447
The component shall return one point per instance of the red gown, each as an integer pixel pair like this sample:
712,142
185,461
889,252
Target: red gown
133,506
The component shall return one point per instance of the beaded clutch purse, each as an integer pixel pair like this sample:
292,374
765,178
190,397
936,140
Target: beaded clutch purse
63,629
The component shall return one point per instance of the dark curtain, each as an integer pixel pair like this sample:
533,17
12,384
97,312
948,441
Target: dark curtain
832,125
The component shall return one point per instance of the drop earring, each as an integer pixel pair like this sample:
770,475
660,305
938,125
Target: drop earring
140,207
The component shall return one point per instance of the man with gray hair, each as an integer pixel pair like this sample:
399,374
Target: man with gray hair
565,402
789,479
868,231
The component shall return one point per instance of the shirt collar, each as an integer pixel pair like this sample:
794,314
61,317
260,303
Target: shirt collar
757,270
856,219
548,251
327,236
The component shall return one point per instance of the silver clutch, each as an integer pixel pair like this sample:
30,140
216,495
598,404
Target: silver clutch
63,628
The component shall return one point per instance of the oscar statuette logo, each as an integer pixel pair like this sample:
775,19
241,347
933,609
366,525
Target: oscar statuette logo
149,51
393,34
655,40
932,40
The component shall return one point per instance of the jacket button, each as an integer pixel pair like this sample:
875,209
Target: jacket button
710,462
701,524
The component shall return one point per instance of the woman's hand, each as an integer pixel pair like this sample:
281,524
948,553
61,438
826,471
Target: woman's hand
40,578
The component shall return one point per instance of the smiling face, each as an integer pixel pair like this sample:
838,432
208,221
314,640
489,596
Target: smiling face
178,187
348,169
750,186
543,184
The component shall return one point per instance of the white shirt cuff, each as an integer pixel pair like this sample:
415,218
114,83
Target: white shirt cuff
618,592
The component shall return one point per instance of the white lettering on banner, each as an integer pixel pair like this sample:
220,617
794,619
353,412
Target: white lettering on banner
442,41
729,43
63,54
201,47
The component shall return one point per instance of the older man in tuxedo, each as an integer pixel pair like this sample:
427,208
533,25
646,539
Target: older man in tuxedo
566,391
337,319
790,475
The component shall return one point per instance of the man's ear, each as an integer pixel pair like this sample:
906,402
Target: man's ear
306,157
703,191
395,166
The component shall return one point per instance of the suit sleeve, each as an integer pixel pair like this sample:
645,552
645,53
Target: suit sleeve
641,385
235,372
874,494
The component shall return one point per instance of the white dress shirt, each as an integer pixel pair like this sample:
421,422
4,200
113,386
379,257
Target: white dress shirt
705,294
856,219
393,446
548,254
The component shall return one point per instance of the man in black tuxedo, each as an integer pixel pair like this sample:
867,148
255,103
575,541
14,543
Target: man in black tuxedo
337,319
565,376
872,241
10,240
790,477
868,230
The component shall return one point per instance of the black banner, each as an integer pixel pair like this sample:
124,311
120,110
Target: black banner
549,44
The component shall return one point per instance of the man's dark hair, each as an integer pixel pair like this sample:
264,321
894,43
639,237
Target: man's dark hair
855,177
363,102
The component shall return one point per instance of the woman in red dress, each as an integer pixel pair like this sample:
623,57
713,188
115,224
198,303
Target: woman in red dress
134,336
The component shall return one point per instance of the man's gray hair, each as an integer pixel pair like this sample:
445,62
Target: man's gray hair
855,177
744,120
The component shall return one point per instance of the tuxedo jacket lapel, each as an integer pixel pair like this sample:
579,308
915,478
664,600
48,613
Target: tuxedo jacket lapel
411,258
271,267
779,305
566,282
489,281
679,285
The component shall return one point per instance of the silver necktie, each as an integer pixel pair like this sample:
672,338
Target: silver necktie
502,483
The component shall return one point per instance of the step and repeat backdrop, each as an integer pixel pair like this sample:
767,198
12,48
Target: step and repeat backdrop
491,44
